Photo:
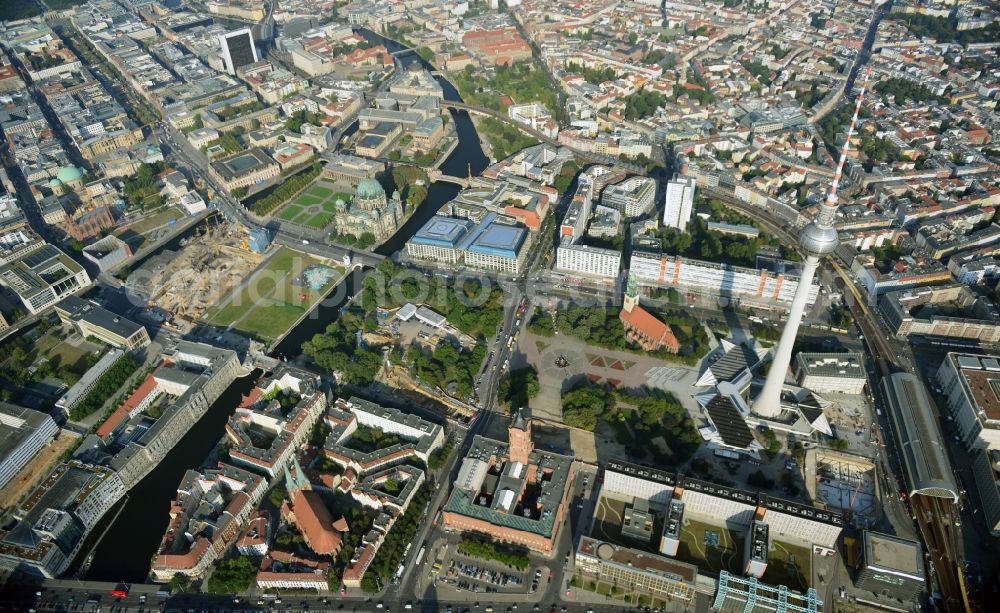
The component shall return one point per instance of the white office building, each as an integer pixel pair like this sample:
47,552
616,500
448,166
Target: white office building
634,481
721,505
535,116
195,354
633,197
23,433
971,384
238,49
108,491
393,421
670,540
761,288
834,373
679,202
82,387
439,240
755,545
585,260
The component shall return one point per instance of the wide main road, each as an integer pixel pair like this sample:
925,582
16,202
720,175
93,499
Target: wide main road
197,165
64,597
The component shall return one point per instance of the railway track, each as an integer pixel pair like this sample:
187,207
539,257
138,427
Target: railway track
936,518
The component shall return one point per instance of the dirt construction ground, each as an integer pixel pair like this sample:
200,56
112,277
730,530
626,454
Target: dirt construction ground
36,469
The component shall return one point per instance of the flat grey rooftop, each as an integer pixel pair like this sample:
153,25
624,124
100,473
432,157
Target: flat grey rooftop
892,553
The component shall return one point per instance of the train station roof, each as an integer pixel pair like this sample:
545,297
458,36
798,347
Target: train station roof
918,434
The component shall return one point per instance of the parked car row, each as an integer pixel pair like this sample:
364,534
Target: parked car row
488,576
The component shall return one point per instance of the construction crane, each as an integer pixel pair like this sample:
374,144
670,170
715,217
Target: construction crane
854,496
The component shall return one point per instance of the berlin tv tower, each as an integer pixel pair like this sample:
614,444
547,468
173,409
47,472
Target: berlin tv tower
817,239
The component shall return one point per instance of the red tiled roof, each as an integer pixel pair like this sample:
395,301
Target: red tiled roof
135,399
255,532
184,560
315,522
641,320
251,398
305,568
355,571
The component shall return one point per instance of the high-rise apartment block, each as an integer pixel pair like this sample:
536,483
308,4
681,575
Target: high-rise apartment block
679,202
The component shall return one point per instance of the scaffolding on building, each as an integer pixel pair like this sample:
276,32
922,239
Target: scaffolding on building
750,595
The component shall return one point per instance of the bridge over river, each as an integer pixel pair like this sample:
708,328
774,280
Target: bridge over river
589,156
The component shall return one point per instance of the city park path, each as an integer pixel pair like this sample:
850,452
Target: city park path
563,361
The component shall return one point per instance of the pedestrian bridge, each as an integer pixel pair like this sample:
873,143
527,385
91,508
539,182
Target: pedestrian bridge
437,175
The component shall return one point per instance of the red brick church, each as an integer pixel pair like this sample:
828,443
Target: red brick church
641,327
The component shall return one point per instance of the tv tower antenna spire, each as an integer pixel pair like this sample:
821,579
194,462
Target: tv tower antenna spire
817,239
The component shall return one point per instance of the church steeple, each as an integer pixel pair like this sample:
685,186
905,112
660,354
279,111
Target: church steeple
631,294
295,478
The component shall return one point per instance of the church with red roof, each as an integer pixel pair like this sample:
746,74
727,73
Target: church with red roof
642,327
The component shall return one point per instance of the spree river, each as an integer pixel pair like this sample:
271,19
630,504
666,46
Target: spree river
468,156
126,550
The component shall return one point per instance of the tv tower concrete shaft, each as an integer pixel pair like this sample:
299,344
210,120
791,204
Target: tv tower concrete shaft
817,239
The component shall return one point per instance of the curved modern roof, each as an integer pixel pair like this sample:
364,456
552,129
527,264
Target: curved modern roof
918,435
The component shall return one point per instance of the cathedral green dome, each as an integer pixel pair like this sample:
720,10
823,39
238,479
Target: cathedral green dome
369,189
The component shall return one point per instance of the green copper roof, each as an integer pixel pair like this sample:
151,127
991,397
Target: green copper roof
69,173
630,287
461,503
369,188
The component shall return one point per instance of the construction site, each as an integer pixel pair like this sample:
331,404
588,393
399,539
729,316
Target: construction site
417,325
842,482
187,282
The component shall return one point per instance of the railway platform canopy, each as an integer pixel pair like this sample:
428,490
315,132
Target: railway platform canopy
918,434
